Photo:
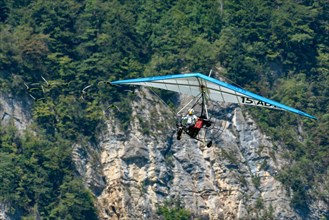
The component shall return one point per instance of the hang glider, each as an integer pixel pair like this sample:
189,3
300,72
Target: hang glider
195,83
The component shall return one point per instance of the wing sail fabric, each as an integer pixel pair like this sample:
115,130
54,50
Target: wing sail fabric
192,84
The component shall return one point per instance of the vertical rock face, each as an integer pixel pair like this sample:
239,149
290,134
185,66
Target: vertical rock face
17,111
134,171
86,159
3,209
234,179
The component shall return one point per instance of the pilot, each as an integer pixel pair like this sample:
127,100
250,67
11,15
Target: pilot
189,119
192,123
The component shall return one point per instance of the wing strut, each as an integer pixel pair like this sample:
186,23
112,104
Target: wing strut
204,109
195,98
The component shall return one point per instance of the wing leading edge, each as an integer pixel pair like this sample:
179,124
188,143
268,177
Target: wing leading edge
217,90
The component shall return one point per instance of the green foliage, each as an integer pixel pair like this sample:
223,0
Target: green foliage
259,203
230,156
4,11
75,202
172,210
268,214
277,48
256,181
36,172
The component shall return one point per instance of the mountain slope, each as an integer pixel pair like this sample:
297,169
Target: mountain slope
51,50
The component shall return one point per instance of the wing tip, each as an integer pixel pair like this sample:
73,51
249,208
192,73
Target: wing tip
308,115
312,117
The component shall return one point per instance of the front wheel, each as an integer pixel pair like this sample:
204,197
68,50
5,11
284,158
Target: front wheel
179,133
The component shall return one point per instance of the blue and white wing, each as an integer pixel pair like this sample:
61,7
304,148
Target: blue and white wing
193,83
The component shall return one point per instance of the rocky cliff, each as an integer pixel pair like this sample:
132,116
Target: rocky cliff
15,109
234,179
133,172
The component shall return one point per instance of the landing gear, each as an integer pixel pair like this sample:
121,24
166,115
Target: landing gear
190,133
179,133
